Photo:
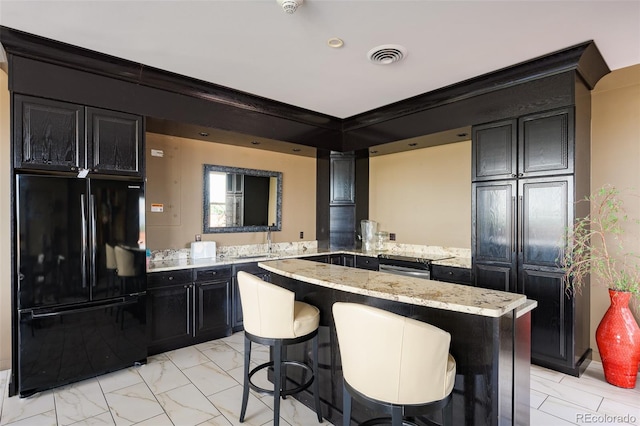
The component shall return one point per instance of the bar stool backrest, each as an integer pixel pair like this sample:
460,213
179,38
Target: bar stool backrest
267,309
392,358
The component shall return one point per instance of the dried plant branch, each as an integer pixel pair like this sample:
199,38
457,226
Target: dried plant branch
595,246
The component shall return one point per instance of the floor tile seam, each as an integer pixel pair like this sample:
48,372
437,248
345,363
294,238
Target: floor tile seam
58,390
105,396
553,415
563,399
198,389
573,404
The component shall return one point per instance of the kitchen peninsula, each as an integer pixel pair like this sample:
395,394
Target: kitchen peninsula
490,335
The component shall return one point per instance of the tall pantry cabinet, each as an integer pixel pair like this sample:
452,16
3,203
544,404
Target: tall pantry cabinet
527,173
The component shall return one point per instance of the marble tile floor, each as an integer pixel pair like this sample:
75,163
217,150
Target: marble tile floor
200,385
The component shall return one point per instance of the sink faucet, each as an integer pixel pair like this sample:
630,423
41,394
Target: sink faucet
268,239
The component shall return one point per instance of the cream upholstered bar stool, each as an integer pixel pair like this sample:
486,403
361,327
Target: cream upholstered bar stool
395,362
273,317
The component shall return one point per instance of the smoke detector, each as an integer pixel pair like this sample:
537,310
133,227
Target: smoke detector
387,54
290,6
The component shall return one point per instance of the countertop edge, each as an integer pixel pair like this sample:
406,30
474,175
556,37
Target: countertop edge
488,312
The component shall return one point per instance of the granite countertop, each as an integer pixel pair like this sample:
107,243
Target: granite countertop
415,291
188,263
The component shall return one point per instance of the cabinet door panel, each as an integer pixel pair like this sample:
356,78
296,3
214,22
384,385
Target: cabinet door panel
494,151
48,134
168,313
342,180
545,216
494,277
213,316
494,222
114,141
551,328
546,143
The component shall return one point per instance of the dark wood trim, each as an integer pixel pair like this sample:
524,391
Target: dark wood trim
323,197
523,88
54,52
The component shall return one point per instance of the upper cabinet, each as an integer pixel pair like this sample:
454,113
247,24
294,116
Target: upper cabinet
342,179
534,145
48,134
114,141
545,142
494,153
62,136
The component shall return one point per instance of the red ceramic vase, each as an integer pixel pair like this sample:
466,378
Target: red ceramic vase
618,339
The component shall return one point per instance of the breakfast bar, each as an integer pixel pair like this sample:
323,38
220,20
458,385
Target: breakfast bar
490,336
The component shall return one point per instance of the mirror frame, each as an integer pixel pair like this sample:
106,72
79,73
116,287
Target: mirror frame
206,229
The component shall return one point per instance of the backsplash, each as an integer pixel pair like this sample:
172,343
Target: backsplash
392,247
235,251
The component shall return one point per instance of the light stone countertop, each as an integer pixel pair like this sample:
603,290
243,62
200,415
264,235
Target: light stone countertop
174,264
415,291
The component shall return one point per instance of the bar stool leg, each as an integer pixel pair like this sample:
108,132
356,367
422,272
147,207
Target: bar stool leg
447,414
283,376
277,377
396,415
245,387
316,379
346,406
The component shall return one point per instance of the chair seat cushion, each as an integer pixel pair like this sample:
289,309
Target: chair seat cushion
306,318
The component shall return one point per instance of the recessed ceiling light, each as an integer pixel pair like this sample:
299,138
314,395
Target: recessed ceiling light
335,42
204,134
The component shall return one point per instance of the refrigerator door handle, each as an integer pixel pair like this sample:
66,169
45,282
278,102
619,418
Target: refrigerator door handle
92,223
83,253
47,313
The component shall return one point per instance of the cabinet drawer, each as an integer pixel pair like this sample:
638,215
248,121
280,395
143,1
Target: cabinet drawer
212,274
451,274
161,279
365,262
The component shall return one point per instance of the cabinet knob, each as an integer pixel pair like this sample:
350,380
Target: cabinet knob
170,278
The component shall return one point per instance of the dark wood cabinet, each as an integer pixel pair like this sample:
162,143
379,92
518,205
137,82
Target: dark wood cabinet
168,310
236,305
518,225
546,143
451,274
366,262
494,154
114,142
493,234
188,306
342,179
48,135
61,136
534,145
342,206
212,303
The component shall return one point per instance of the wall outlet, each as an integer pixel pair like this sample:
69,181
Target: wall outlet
301,234
198,237
392,236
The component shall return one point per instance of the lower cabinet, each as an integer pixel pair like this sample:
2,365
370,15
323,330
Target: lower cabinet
188,306
367,262
451,274
236,305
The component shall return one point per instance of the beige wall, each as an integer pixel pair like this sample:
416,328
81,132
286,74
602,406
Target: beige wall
615,157
424,196
5,226
175,180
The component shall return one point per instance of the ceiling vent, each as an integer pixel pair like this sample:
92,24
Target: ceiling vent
387,54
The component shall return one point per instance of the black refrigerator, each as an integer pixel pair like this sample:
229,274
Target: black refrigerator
81,282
